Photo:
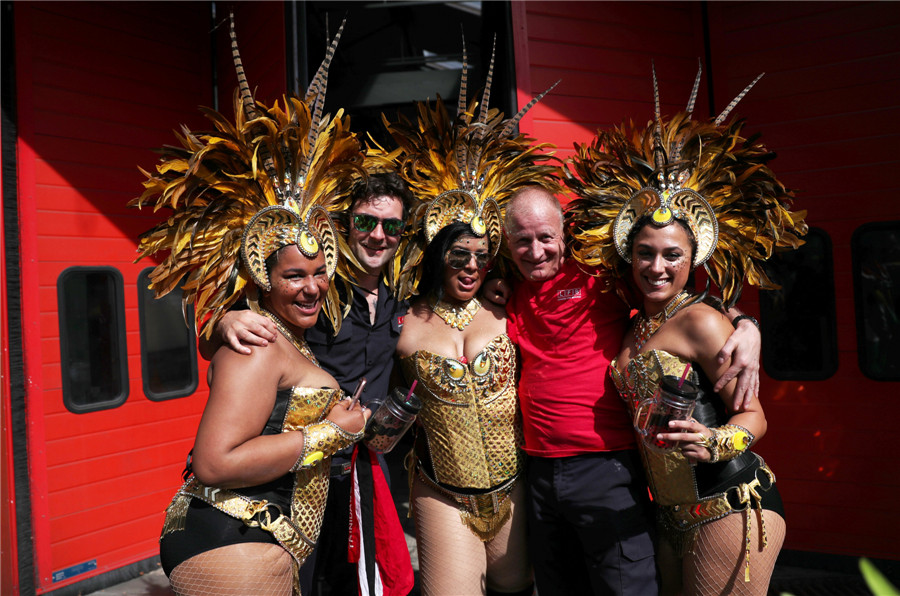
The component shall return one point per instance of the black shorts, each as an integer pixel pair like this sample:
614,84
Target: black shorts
205,528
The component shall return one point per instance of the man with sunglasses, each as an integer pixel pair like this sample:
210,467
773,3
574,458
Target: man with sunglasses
364,347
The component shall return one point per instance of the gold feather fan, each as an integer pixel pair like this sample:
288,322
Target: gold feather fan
247,188
703,173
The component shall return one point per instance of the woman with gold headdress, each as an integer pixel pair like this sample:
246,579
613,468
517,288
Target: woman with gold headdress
654,205
249,220
465,495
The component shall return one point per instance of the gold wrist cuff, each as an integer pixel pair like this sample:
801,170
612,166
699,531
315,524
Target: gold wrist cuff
728,442
321,440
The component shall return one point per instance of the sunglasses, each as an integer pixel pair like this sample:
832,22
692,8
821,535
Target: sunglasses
367,223
459,258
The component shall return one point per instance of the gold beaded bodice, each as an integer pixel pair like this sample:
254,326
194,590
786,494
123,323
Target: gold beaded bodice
669,474
470,414
308,405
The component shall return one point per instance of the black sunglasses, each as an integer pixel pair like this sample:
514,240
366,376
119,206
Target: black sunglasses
459,258
367,223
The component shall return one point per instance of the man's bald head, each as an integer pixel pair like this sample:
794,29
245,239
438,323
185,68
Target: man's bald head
534,229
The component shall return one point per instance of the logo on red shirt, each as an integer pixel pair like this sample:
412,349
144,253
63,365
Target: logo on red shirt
569,294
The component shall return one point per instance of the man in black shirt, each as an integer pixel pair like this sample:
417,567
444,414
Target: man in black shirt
364,347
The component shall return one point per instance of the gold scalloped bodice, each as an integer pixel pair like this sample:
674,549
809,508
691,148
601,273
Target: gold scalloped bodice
669,474
470,413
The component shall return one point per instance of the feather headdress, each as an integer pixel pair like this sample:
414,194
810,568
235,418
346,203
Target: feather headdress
247,189
705,174
464,169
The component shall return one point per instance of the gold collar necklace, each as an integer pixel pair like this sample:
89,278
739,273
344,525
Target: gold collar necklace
297,342
645,327
457,317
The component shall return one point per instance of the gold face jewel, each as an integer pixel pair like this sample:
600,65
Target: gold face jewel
478,226
308,244
662,216
457,317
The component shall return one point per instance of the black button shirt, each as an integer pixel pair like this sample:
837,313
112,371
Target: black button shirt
361,349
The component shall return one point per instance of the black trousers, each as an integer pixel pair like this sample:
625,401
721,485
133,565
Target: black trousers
591,525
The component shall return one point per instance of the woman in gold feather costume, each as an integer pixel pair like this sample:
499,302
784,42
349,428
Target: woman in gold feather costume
465,495
652,206
249,220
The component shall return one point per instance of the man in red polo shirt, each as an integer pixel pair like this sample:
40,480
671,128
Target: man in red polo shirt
590,523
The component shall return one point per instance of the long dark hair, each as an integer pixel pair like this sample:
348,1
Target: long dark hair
432,282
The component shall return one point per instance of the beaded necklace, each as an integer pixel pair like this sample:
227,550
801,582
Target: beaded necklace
457,317
297,342
645,327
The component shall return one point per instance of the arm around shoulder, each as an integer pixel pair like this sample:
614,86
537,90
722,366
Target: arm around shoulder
238,329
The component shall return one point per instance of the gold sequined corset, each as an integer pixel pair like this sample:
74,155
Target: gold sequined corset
308,405
669,474
470,413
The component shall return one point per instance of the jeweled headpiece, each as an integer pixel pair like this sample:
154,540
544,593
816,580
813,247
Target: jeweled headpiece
248,189
702,173
466,168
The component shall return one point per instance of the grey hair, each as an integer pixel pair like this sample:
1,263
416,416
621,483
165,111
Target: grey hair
528,195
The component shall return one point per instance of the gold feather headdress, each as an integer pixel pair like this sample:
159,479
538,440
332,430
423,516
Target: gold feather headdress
703,173
465,169
247,189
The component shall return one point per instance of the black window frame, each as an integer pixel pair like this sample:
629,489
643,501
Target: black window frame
827,304
66,362
143,294
859,311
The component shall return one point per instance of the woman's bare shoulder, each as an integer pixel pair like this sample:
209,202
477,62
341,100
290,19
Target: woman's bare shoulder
704,326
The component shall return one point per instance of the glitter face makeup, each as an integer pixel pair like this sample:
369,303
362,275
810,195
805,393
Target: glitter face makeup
661,263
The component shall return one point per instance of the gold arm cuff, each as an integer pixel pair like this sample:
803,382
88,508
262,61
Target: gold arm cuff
322,440
730,441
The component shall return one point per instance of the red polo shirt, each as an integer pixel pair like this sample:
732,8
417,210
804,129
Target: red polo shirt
568,331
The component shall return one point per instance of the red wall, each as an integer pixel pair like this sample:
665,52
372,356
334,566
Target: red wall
602,52
99,86
828,105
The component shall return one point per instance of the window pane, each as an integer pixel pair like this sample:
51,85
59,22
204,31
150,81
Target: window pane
92,338
798,321
876,280
168,349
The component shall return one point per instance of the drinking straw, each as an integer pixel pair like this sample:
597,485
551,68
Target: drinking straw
359,389
684,375
413,386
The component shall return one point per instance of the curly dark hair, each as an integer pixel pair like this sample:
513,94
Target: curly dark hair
384,184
